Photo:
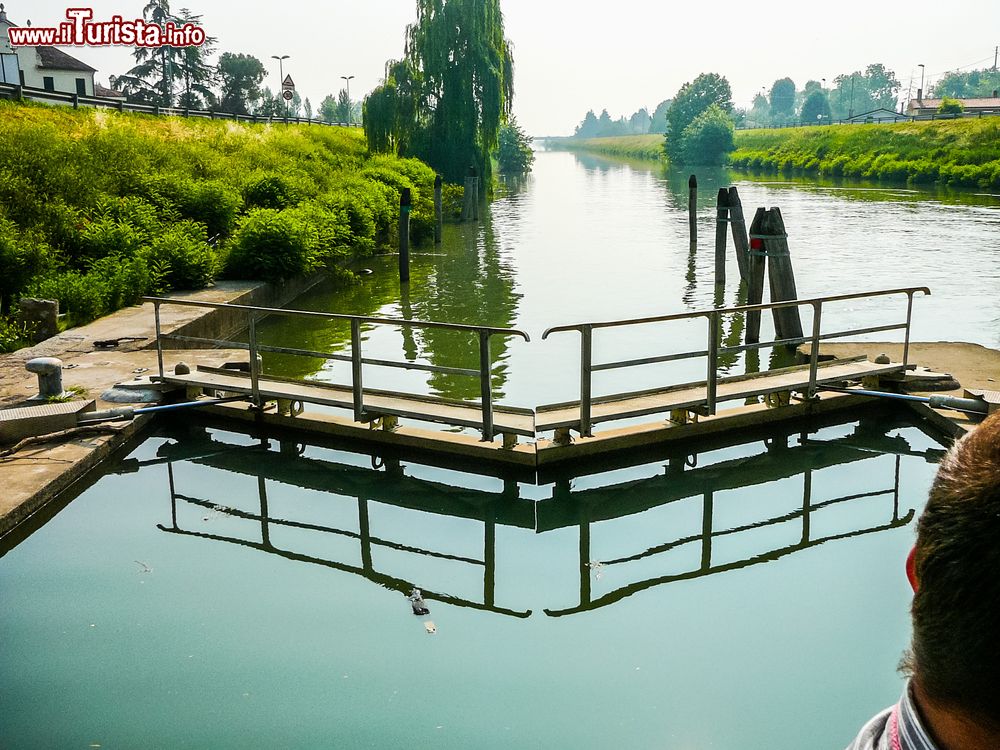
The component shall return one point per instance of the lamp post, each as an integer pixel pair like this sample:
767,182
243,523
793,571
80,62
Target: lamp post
349,104
922,69
851,115
281,76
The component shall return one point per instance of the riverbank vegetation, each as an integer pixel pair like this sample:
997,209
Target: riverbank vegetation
961,153
99,208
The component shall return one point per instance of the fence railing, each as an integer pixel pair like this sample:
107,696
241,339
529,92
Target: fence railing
713,349
254,314
17,92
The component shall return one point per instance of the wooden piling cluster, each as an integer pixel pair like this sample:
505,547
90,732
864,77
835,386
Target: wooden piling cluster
470,205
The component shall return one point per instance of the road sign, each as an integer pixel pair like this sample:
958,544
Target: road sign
288,84
287,95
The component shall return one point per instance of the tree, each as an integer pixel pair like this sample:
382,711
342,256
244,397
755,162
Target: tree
950,106
782,100
343,106
151,80
760,112
587,128
694,98
461,63
514,153
328,109
638,123
709,138
308,107
197,75
658,123
882,86
973,83
816,108
240,77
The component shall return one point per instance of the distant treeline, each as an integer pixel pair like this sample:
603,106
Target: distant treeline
817,102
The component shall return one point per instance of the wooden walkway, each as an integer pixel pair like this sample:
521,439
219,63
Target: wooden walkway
377,403
693,396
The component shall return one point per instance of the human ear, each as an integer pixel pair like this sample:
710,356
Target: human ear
911,569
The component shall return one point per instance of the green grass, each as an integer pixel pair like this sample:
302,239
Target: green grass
98,207
644,147
963,153
954,152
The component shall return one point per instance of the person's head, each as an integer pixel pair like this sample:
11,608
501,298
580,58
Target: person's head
955,571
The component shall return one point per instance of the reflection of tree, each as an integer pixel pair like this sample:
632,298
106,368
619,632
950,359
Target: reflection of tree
473,285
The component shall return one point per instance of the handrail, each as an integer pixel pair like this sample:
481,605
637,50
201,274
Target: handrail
739,309
713,348
357,360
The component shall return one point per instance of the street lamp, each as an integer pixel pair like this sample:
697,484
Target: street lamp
349,105
281,76
851,115
922,69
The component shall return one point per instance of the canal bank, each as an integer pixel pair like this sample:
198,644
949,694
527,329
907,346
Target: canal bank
95,357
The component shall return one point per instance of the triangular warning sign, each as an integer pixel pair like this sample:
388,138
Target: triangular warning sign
288,84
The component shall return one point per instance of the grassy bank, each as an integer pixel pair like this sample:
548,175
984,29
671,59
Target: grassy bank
645,147
961,153
98,208
954,152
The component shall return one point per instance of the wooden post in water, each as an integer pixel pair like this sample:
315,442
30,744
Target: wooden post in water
739,225
787,320
475,193
693,210
405,203
721,219
469,196
437,209
755,280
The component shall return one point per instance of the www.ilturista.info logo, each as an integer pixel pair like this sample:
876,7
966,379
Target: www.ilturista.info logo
79,30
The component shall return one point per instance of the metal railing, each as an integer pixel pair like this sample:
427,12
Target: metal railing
17,92
255,314
713,350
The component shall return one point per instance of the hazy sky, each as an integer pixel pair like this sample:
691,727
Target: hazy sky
573,57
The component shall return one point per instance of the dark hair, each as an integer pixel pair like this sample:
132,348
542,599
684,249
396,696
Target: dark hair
956,609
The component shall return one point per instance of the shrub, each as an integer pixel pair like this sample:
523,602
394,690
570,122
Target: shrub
22,257
79,296
182,257
13,335
709,137
270,191
950,106
271,245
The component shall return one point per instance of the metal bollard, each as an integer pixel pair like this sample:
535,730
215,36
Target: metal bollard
49,371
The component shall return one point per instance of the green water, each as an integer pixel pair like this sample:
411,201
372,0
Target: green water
588,239
671,601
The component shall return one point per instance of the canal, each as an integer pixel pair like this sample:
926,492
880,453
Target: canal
228,589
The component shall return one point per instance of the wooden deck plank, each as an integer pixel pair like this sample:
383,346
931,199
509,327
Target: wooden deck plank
741,387
377,403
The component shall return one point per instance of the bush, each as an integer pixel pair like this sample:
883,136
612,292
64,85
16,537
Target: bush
22,257
79,297
182,257
950,106
271,245
13,335
709,138
270,191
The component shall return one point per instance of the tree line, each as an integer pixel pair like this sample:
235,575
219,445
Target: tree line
186,77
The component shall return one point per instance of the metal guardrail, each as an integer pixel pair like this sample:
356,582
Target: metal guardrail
357,360
713,350
16,92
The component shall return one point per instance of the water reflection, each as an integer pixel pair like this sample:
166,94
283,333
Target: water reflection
607,499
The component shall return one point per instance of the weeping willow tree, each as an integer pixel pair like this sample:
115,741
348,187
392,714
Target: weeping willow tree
448,98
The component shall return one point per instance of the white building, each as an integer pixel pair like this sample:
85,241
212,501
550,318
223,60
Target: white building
46,68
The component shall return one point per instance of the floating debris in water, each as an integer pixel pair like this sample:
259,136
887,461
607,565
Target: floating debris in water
145,568
416,598
597,568
430,627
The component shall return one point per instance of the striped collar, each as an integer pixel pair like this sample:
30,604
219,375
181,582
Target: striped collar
895,728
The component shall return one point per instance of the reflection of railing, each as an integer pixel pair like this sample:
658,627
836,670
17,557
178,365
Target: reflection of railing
708,534
364,537
253,314
713,350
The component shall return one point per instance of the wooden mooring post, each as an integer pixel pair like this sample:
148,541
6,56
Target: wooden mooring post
769,246
755,276
739,229
437,209
693,210
405,204
721,220
470,206
787,320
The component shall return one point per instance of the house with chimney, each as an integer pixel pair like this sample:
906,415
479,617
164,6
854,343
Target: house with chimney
989,105
47,68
